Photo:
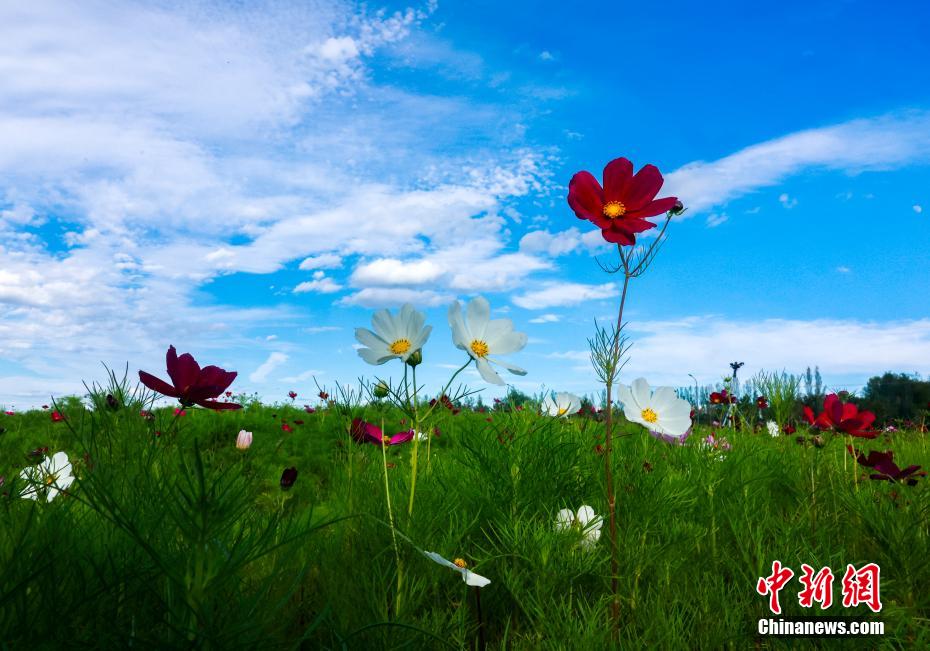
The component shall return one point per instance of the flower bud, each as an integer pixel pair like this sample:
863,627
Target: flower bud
677,209
415,359
112,402
288,477
244,440
381,390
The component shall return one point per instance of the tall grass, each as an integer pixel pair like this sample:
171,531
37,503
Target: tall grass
183,541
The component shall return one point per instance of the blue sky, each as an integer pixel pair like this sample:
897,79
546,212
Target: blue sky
250,182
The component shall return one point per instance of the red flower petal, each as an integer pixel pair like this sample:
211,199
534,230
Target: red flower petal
219,406
654,208
156,384
183,370
618,237
585,195
617,176
634,225
643,188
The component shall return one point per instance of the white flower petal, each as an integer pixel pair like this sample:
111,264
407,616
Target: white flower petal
564,519
516,370
487,373
461,336
370,339
672,426
641,393
383,323
373,357
625,396
474,579
479,313
663,398
586,515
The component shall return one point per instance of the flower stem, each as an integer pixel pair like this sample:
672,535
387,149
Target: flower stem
482,644
416,444
608,470
387,497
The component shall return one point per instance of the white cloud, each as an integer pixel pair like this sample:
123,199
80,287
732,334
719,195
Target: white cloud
393,296
557,294
715,219
843,269
918,208
323,261
274,361
546,318
304,376
321,285
786,201
552,244
389,271
878,143
546,55
317,329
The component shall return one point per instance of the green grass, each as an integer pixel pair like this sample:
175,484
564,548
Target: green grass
183,541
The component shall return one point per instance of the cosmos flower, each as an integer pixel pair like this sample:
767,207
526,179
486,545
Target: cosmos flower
563,405
661,411
291,394
364,432
843,417
480,336
244,440
191,385
620,207
460,566
885,467
57,417
394,337
772,427
288,477
585,520
762,402
48,479
722,398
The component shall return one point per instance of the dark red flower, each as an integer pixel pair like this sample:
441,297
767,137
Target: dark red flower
288,477
291,394
147,415
286,427
44,406
228,394
762,402
191,384
179,412
364,432
57,417
788,428
722,398
298,422
842,417
309,409
323,395
37,455
620,207
10,413
885,467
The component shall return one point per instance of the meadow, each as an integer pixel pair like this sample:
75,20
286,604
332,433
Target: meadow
172,536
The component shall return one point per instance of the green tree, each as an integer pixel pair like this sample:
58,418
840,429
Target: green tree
896,395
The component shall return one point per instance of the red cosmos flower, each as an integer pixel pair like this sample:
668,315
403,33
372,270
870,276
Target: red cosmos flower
762,402
722,398
57,417
619,208
309,409
228,394
364,432
286,427
842,417
192,385
44,406
179,412
10,413
298,422
885,467
323,395
291,394
788,428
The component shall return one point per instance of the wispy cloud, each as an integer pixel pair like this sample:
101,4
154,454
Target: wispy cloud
557,294
878,143
274,360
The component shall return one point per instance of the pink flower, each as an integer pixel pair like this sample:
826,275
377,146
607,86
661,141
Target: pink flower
244,440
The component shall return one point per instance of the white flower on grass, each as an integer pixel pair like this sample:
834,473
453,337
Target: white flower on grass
244,440
480,336
395,337
564,405
459,565
772,427
49,478
660,411
586,520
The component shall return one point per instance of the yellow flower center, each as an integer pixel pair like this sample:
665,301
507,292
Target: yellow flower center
614,209
50,479
649,416
400,346
460,562
480,348
385,439
562,411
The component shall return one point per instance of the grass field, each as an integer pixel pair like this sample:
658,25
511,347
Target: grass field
181,540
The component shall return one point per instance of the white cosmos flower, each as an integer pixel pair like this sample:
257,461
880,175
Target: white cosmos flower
50,477
394,336
480,336
660,411
772,427
564,405
586,520
459,566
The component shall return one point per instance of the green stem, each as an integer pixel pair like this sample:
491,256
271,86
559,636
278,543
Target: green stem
416,444
387,497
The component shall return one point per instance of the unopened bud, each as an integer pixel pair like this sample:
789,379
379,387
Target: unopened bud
415,359
677,209
381,390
